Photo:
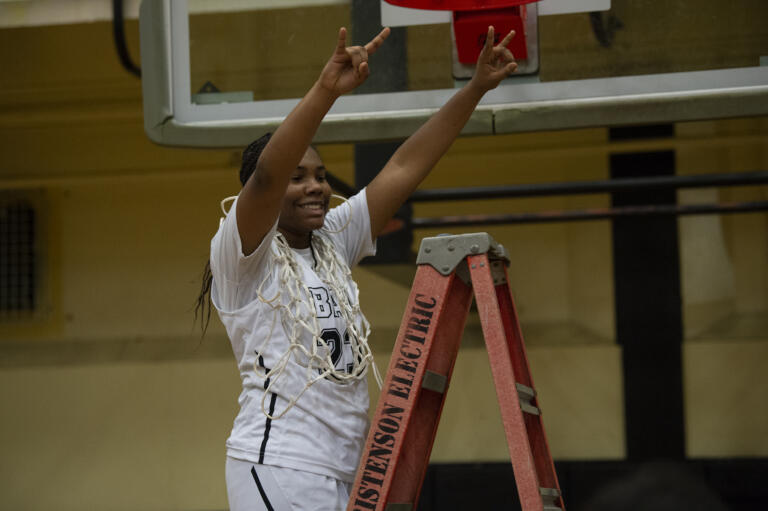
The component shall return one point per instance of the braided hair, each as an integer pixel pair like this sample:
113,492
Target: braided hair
250,158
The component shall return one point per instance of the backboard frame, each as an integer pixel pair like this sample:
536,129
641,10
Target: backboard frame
170,118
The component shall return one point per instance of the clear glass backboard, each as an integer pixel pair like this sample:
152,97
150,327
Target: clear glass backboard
215,70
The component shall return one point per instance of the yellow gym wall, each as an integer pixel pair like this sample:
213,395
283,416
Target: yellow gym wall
110,398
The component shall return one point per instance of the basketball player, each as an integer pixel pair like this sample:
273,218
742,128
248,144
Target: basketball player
281,285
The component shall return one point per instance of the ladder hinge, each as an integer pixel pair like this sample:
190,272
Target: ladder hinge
497,273
445,252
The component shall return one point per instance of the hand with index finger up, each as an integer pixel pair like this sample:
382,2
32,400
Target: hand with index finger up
494,63
348,67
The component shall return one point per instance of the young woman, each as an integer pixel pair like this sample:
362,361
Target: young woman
281,285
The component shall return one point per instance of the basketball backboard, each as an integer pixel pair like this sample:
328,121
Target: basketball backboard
216,73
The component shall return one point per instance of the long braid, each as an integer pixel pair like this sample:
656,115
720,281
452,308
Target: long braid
203,303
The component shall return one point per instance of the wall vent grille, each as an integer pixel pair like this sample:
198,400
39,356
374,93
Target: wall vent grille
19,255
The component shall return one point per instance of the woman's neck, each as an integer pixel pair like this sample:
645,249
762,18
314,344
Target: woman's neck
296,240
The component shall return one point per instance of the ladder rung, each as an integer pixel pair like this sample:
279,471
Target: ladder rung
548,498
526,393
434,381
527,408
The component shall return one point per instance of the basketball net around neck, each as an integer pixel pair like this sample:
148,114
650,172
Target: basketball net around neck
294,308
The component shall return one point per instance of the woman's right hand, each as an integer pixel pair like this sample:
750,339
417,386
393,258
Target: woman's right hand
348,66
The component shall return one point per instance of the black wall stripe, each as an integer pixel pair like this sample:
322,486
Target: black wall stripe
261,490
649,323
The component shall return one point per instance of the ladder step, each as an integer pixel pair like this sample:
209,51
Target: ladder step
434,381
526,394
530,409
549,497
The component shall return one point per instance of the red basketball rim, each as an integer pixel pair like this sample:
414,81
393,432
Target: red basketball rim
458,5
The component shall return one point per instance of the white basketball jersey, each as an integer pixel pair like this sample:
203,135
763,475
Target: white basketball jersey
325,430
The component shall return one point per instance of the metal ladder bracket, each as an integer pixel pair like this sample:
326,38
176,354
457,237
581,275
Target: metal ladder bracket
444,253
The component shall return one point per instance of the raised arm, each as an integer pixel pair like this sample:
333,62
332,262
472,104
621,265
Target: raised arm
258,205
416,157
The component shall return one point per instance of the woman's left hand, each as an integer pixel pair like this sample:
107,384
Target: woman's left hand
494,63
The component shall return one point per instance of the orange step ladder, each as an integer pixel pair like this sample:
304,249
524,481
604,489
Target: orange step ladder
451,270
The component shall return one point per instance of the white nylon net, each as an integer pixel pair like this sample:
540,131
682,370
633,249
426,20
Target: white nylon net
297,315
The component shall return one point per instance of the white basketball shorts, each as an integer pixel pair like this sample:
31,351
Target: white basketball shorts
254,487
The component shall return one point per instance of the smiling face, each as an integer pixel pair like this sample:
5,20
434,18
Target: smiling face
305,201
